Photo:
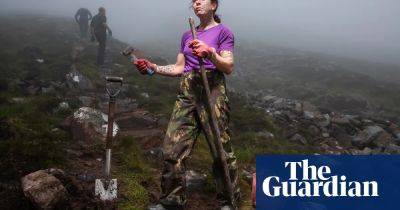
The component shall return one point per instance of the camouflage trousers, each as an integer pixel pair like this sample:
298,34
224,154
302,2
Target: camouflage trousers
189,118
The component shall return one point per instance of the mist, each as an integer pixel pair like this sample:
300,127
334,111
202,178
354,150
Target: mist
362,29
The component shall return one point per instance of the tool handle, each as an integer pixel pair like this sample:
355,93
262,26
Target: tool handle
150,72
218,153
115,79
128,52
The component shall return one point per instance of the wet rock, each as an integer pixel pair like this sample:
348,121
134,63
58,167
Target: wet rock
394,130
265,135
383,139
309,115
323,120
298,107
314,130
366,136
76,80
340,120
63,106
44,190
367,122
247,176
341,135
268,99
18,100
157,207
145,95
298,139
86,100
89,124
49,89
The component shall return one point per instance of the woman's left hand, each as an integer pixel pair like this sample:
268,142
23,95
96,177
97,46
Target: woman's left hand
201,49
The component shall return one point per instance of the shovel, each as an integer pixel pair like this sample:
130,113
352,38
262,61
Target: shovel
106,189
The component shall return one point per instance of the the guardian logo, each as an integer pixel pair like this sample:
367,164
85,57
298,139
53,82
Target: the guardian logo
315,182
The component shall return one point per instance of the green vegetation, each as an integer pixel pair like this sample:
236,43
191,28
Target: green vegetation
29,139
133,172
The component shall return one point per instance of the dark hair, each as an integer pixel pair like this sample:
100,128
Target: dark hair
101,9
216,17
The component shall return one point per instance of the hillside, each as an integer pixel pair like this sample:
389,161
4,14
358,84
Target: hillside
49,79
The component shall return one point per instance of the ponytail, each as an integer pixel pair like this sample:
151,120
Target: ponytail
217,18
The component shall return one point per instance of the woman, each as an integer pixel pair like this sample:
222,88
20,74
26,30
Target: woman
215,44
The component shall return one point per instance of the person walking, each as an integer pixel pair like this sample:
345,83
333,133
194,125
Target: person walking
99,28
82,17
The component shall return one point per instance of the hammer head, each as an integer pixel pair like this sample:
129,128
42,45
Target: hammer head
128,51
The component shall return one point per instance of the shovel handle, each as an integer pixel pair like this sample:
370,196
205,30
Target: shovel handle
115,79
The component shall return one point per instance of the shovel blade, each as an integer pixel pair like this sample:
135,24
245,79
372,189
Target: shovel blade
106,190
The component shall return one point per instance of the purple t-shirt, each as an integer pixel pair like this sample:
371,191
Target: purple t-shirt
220,37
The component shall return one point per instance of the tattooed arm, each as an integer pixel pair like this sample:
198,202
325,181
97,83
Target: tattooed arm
223,61
173,70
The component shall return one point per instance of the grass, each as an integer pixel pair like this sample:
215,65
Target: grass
29,138
132,173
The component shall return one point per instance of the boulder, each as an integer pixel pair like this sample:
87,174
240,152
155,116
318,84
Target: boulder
323,121
88,124
367,136
44,190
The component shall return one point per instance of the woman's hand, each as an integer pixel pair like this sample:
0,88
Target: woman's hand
201,49
143,64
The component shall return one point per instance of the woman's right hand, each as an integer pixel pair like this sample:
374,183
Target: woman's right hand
143,64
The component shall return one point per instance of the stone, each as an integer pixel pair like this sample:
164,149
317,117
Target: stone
49,89
63,106
247,176
309,115
313,130
76,80
340,120
89,124
383,139
157,207
145,95
265,135
44,190
86,100
366,136
323,120
298,139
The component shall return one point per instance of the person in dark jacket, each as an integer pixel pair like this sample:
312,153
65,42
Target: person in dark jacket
82,17
99,28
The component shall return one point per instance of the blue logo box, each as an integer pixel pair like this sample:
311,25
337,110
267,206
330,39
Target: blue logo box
328,182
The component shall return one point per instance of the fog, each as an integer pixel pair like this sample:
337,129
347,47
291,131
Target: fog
363,29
